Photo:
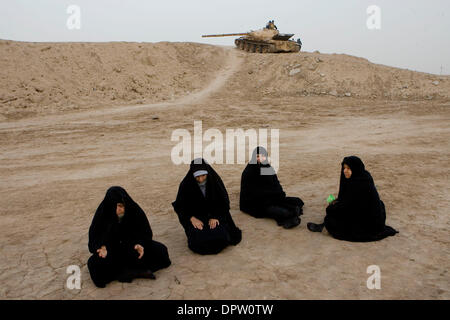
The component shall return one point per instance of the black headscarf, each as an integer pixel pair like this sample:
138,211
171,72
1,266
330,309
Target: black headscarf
359,203
215,205
260,186
105,228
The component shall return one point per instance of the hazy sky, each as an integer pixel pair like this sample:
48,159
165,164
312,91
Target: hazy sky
414,34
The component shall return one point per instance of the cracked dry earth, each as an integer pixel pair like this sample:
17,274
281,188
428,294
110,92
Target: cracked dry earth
55,169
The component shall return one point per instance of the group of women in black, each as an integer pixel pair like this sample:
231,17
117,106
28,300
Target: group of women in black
120,236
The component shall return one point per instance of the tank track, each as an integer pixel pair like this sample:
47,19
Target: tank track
253,46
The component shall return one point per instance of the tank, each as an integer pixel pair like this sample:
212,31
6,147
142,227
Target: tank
266,40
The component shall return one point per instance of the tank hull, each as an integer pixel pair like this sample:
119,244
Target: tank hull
266,46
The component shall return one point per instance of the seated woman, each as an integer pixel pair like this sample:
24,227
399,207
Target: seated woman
358,214
120,240
262,195
203,208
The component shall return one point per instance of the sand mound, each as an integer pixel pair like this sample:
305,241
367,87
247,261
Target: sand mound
302,74
52,77
55,77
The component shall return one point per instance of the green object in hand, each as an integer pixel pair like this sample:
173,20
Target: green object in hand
330,198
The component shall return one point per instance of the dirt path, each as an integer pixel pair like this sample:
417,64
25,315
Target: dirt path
232,63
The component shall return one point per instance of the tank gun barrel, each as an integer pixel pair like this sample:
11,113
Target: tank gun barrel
224,35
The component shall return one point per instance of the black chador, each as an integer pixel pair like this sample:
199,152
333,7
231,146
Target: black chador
203,209
121,241
358,214
262,195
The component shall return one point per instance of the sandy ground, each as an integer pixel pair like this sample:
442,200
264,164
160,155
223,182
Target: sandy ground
56,166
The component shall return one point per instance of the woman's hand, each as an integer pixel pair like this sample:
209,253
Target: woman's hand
213,223
140,250
196,223
102,252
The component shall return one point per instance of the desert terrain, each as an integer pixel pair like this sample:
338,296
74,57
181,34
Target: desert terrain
77,118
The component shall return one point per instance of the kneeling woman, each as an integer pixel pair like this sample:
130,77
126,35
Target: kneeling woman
358,214
120,240
203,208
262,195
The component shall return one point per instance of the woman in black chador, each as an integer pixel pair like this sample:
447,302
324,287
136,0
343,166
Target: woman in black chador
262,195
358,214
203,208
120,240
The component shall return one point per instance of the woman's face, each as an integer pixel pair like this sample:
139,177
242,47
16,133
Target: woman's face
260,158
120,209
201,179
347,171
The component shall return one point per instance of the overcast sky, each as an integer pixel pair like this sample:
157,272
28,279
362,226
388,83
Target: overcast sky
413,34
